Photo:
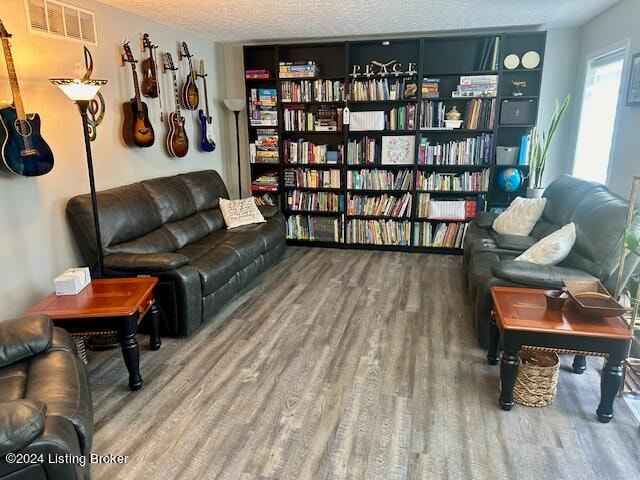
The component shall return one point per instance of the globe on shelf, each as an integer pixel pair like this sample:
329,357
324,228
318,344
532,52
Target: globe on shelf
509,180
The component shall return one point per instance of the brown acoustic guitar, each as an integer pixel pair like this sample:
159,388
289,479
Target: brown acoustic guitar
190,94
136,129
149,76
177,140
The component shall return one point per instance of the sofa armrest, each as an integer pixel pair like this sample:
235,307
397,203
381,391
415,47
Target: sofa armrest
534,275
145,262
519,243
485,219
20,422
24,337
268,211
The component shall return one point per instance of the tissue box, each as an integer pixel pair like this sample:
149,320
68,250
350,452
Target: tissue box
72,281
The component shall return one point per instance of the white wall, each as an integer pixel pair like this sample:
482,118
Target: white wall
617,24
35,241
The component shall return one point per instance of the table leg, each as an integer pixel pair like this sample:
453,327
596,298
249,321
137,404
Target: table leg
579,364
508,374
131,352
610,383
493,355
154,318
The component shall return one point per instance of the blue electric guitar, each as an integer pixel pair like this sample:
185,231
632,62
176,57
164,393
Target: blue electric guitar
206,121
23,151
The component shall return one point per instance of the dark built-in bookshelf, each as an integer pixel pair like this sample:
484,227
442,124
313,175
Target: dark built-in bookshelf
375,214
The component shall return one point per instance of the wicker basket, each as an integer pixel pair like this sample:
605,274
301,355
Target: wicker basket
537,378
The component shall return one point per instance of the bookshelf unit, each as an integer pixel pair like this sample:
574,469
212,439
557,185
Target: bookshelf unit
444,58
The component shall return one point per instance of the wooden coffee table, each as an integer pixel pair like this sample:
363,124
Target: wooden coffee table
520,319
108,306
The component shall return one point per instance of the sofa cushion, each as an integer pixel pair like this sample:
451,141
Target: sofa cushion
206,188
13,379
520,216
172,198
534,275
158,241
216,267
514,242
553,248
563,196
189,230
22,338
20,422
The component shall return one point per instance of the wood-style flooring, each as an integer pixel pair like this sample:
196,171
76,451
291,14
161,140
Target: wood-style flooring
342,364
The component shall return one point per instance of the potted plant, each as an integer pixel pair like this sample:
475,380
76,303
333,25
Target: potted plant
539,149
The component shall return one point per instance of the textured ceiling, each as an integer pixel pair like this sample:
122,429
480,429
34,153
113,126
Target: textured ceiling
246,20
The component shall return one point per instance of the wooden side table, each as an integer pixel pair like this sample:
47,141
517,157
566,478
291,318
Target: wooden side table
521,319
106,306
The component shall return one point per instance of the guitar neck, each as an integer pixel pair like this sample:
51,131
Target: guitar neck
175,92
206,97
13,80
136,86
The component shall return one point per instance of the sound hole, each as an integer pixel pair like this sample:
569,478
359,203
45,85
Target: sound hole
23,128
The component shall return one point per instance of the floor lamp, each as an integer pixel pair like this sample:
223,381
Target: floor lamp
82,91
236,105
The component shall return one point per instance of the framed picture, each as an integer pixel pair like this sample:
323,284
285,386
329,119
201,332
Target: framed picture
398,150
633,89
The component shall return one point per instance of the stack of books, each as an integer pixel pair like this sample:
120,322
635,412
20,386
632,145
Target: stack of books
316,202
380,205
266,182
470,151
430,87
480,114
379,232
307,69
265,148
379,180
451,182
306,227
464,209
442,235
308,178
380,89
257,73
262,107
327,119
363,152
304,152
477,86
401,118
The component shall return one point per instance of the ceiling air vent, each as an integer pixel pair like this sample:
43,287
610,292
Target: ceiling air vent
60,19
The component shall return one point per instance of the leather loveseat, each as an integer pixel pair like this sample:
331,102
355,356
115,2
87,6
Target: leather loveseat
45,403
600,219
172,228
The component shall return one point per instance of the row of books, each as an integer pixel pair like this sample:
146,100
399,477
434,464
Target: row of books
430,87
262,107
265,182
446,209
364,151
432,114
326,119
452,182
257,73
446,234
379,179
381,89
379,232
470,151
401,118
477,86
379,205
312,91
480,114
314,201
265,148
308,178
303,152
307,227
304,69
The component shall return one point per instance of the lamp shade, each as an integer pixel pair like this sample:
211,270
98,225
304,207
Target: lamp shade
234,104
78,90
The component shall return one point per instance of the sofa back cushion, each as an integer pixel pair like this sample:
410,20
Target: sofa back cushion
172,198
206,188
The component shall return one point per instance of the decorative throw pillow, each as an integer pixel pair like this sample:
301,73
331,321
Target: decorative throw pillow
553,248
520,217
240,212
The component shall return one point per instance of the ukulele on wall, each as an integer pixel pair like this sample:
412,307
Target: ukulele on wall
177,140
190,96
136,129
206,121
149,75
24,151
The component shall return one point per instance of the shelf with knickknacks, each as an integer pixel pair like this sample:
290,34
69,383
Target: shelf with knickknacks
453,118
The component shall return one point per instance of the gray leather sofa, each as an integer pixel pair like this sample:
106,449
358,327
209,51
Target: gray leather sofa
600,219
45,402
172,228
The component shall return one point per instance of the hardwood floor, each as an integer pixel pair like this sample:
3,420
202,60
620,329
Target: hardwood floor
347,364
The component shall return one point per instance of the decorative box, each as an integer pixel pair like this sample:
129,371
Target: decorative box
72,281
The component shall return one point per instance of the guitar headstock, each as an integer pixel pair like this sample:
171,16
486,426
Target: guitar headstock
128,56
146,42
184,51
168,62
3,31
201,69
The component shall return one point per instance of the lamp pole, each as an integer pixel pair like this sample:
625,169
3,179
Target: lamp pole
83,106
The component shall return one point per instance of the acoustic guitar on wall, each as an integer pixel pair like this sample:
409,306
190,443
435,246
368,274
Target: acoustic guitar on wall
177,140
136,129
24,151
206,121
190,94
